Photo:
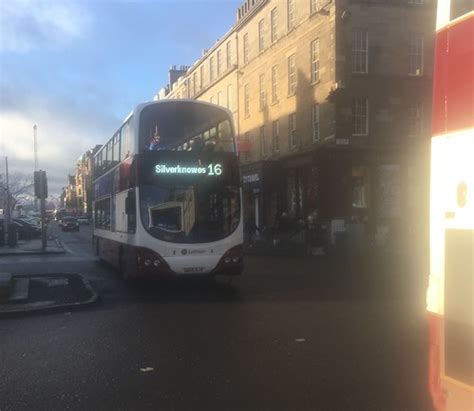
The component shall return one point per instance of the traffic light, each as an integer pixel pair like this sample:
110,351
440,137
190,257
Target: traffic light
41,184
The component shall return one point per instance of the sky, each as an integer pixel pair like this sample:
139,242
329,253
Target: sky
77,68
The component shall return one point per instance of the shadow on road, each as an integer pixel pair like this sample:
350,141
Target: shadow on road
350,279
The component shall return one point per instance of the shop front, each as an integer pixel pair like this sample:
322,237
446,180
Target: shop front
262,194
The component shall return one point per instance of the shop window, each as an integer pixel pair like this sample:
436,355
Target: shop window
360,187
389,191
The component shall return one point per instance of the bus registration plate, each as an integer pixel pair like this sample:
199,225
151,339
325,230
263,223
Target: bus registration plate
194,270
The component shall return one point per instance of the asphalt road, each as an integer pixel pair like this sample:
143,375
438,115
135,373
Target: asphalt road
290,334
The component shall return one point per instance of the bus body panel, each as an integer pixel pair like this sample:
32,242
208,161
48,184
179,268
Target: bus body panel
450,295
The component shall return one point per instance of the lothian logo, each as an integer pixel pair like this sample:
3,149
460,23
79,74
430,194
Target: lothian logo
185,251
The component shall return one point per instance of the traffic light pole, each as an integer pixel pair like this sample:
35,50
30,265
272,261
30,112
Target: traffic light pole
7,218
43,212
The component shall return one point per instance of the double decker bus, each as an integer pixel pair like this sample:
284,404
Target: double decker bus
168,194
450,297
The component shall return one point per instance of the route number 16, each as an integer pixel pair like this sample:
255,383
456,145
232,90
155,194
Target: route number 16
214,169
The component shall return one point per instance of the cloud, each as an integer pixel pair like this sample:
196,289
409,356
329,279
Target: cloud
27,25
65,131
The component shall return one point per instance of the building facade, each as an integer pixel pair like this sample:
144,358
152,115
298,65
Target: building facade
84,191
333,106
70,189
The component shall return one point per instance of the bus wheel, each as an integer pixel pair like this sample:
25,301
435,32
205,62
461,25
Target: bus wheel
124,266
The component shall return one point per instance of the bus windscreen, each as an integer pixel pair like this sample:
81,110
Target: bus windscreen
189,197
185,126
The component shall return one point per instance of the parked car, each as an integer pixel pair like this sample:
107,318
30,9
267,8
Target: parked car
83,220
26,231
69,224
32,220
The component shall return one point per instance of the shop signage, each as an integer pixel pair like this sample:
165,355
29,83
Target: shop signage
251,178
342,141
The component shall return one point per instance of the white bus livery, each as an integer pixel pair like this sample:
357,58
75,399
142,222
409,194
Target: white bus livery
167,192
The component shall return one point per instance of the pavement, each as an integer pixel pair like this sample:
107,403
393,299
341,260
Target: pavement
23,247
26,293
47,293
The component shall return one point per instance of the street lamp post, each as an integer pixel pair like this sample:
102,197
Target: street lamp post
35,152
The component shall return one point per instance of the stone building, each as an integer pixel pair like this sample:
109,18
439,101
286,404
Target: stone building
71,199
212,78
333,107
84,190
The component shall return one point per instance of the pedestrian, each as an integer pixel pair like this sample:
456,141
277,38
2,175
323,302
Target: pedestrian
155,141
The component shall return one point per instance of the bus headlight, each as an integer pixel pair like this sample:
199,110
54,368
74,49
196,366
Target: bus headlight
147,262
156,263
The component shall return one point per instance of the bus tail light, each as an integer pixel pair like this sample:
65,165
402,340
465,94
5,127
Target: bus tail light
231,262
150,260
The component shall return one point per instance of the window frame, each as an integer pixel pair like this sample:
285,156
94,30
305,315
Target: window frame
228,48
313,6
245,46
211,69
416,51
262,100
229,97
276,136
292,81
314,53
261,35
415,121
261,137
315,122
360,56
219,62
290,5
274,83
356,116
292,130
246,100
274,25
